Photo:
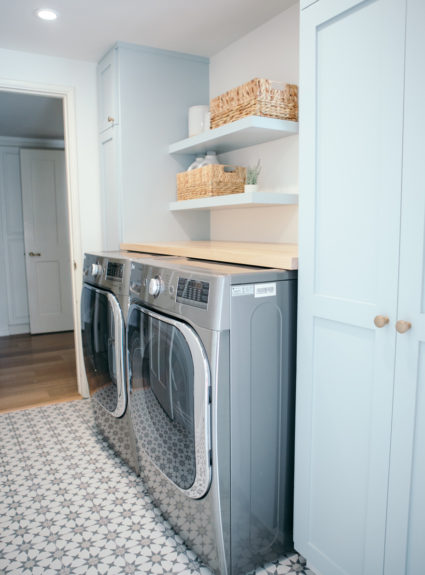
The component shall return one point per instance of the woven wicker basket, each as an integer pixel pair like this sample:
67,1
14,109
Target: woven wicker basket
259,97
211,180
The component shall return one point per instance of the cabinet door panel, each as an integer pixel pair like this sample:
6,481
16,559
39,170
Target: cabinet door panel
405,550
415,551
357,172
111,190
107,87
351,112
343,399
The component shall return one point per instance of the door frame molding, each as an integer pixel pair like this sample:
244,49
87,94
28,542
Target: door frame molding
67,95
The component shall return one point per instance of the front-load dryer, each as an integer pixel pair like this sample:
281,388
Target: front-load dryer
104,308
211,377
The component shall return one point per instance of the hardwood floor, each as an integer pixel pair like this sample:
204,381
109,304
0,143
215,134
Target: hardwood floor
37,370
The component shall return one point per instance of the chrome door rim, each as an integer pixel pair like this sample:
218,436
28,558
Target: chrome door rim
119,353
202,417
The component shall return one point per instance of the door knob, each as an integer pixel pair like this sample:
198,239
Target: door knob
403,326
34,254
381,320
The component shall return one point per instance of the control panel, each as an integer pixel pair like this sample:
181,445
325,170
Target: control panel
115,271
193,292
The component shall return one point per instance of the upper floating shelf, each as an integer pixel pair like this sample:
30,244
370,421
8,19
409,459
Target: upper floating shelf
245,132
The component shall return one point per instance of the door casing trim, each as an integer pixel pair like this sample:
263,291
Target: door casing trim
67,94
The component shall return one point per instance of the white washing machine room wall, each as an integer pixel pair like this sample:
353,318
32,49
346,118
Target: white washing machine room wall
211,380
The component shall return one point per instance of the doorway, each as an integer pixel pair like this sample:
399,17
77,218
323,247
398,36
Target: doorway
32,140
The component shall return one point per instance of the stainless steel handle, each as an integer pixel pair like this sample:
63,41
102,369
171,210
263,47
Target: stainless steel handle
34,254
403,326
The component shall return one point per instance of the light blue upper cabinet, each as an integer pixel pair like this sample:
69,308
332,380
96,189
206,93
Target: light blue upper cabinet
108,90
358,509
144,98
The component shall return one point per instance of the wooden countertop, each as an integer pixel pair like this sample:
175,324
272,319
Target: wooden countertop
281,256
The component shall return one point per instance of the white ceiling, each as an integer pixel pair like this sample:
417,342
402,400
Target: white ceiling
85,29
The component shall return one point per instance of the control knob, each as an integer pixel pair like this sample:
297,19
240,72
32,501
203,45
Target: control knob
96,269
155,286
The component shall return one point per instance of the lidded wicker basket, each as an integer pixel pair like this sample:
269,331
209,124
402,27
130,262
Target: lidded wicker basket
259,97
210,180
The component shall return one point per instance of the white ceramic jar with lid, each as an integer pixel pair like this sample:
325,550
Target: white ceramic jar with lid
196,120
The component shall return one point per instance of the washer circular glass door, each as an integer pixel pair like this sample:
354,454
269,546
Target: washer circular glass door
169,381
102,332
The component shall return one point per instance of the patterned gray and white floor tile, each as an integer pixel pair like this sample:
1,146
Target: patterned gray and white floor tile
68,505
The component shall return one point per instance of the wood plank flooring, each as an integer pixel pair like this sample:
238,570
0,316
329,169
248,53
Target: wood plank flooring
37,370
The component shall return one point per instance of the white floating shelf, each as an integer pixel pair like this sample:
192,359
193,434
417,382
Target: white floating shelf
245,200
240,134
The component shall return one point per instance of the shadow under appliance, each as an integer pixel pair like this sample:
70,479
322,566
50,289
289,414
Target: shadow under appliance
211,379
104,307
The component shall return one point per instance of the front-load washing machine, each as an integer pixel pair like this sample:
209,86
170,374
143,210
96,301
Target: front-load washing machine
104,307
211,377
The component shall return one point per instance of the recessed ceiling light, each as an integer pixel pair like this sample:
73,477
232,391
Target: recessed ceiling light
46,14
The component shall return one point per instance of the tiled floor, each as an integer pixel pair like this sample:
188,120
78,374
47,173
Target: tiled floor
69,506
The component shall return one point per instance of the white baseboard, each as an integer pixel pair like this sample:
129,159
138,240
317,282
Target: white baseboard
20,328
15,329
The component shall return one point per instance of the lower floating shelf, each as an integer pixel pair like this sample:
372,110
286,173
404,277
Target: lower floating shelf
245,200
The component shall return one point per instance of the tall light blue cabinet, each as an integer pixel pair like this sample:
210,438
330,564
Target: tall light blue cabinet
360,436
143,99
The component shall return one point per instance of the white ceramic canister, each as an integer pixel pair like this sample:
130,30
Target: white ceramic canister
207,121
196,119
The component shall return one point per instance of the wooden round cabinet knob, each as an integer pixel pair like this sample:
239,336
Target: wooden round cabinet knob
381,320
111,119
403,326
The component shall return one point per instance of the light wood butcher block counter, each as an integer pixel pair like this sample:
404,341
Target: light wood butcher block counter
281,256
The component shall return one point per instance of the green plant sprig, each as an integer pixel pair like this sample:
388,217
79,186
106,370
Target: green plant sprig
252,173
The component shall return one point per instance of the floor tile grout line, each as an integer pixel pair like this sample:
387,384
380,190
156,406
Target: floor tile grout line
46,423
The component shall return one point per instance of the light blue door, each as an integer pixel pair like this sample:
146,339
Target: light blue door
351,114
405,547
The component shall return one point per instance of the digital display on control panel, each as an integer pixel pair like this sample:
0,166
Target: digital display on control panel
193,292
114,271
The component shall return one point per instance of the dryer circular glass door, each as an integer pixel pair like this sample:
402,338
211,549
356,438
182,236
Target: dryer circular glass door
169,381
102,332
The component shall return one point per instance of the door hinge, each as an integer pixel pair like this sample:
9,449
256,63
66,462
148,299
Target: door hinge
75,265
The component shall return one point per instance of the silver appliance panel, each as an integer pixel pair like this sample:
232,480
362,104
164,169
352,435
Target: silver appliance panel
252,313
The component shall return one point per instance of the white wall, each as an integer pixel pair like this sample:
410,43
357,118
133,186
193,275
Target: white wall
78,80
270,51
157,88
22,67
